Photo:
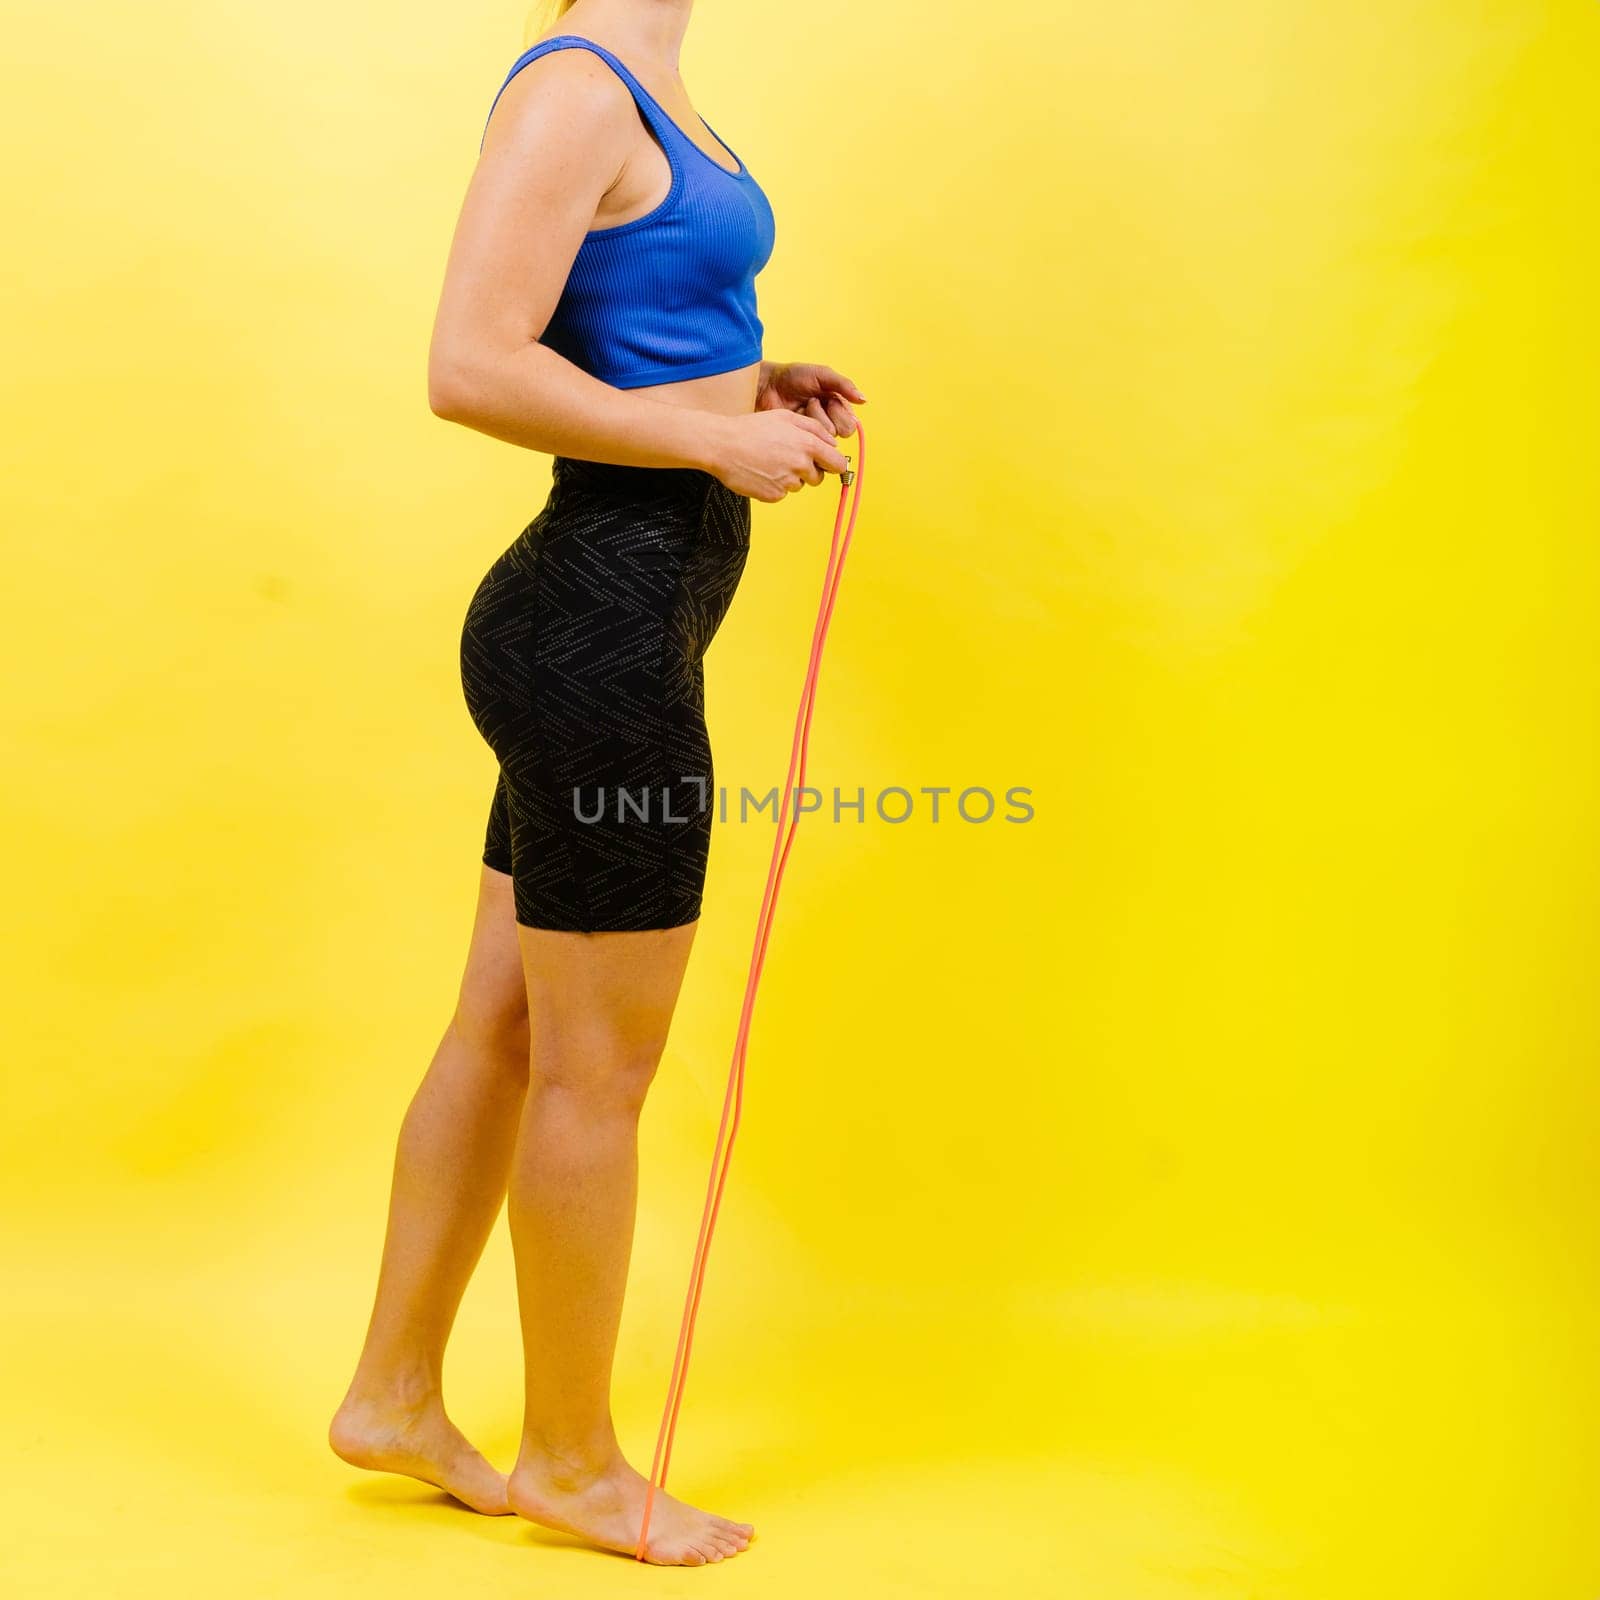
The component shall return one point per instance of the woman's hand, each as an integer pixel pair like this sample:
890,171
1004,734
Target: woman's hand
816,392
768,454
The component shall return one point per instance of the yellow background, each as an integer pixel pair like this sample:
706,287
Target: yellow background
1187,1194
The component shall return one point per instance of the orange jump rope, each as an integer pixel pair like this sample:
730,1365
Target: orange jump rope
844,528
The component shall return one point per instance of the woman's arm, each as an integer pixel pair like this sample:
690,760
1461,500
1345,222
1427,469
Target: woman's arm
557,142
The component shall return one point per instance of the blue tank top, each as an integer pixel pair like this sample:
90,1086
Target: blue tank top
671,294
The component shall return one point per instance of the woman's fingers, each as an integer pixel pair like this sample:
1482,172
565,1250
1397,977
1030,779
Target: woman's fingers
830,406
822,429
839,384
830,459
831,416
840,417
822,453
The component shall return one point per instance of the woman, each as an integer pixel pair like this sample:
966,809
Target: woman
599,305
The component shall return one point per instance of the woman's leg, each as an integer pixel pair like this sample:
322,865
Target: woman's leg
449,1179
603,1003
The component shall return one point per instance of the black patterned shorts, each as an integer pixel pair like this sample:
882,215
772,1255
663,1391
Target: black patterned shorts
581,662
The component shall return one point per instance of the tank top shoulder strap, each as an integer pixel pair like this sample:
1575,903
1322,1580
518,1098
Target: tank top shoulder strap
664,128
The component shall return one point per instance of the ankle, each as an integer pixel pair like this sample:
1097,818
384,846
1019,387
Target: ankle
411,1386
569,1465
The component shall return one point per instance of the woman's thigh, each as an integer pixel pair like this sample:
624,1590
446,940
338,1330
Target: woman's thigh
602,1003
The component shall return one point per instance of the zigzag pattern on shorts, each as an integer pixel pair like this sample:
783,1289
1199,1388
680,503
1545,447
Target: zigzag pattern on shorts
581,662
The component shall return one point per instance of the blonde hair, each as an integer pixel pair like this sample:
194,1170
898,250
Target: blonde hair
543,17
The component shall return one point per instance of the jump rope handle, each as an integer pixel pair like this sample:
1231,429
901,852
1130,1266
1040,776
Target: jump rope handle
733,1101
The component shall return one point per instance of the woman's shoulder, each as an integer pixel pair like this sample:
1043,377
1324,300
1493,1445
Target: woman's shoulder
571,87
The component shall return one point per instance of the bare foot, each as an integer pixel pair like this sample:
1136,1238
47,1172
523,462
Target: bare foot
607,1507
418,1441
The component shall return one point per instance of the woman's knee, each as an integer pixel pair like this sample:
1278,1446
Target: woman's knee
493,1021
611,1068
